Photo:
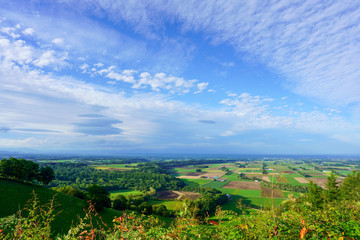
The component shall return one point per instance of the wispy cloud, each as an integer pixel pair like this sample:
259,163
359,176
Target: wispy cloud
314,43
54,75
156,82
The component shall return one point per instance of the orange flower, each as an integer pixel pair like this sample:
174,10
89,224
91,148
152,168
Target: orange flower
213,222
129,217
83,232
303,222
119,219
1,230
303,232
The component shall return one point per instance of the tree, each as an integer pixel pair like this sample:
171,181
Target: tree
350,188
46,175
120,203
145,208
99,196
331,187
315,195
19,169
161,211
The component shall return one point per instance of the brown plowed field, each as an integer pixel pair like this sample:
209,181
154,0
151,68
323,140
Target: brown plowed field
301,180
321,181
282,179
200,174
243,185
187,195
266,192
266,178
166,195
194,173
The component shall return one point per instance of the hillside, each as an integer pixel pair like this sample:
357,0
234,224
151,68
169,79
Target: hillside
15,196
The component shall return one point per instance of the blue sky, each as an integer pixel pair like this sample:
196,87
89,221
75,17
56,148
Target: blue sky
261,77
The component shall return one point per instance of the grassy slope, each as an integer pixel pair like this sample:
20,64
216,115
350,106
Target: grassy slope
15,195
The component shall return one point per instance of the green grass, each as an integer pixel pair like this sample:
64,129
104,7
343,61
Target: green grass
117,166
292,181
195,182
171,205
216,184
286,194
258,202
15,196
345,172
241,192
232,177
185,170
124,192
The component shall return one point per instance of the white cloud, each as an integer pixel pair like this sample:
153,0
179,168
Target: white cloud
227,134
58,41
314,43
201,87
157,82
28,142
15,51
45,59
28,31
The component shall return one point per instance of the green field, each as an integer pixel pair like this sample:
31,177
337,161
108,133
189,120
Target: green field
286,194
171,205
216,184
116,166
195,182
258,202
185,170
232,177
292,181
124,192
241,192
15,196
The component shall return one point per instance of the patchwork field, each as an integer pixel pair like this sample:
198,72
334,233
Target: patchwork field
250,191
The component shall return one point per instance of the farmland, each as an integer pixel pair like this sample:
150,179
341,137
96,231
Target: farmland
258,183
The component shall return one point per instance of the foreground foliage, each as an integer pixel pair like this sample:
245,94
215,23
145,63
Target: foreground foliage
330,213
295,219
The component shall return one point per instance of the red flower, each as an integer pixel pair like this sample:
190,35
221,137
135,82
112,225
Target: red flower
213,222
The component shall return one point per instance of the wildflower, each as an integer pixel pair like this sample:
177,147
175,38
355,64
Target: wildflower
303,232
1,230
276,232
119,219
213,222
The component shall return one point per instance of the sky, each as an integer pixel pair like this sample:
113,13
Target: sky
211,77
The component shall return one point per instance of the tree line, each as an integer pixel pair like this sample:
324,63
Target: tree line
26,171
83,176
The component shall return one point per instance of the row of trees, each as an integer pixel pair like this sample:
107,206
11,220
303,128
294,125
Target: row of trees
26,171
